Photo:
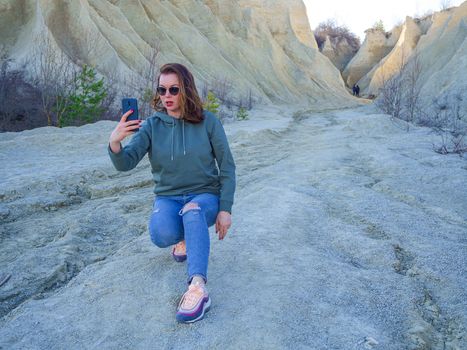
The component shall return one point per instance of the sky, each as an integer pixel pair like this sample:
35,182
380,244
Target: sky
359,15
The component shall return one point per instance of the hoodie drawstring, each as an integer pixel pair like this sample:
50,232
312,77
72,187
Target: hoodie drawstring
173,125
183,133
183,129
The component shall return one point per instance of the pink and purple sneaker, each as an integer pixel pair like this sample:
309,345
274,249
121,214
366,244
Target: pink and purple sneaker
194,304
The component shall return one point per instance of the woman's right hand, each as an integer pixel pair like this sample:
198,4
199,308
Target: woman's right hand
123,129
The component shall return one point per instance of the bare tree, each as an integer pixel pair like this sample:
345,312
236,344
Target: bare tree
142,83
249,99
9,82
132,84
445,4
204,91
111,104
335,32
221,86
93,47
399,95
391,92
223,89
19,100
5,84
448,122
246,101
152,55
53,73
411,77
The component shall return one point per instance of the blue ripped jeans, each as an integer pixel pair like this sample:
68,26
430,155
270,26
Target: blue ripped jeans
170,224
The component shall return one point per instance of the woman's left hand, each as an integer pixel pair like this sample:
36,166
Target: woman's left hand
223,223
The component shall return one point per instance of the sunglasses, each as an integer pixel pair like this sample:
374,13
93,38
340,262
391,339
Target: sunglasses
174,90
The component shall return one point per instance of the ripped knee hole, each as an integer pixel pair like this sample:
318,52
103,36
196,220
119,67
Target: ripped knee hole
188,207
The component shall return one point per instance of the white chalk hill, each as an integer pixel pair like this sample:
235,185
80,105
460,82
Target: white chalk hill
440,40
263,45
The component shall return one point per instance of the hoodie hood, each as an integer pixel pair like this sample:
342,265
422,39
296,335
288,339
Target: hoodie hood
172,121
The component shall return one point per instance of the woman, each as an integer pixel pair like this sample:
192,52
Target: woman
183,142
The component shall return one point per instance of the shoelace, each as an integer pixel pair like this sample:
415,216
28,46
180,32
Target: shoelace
191,297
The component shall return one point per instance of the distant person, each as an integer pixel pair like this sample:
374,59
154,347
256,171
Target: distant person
355,90
183,143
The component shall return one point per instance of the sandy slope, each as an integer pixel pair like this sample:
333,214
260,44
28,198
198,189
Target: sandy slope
348,233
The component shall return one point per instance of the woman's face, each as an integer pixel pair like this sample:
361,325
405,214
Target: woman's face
169,101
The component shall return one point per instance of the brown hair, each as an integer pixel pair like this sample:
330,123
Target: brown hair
190,102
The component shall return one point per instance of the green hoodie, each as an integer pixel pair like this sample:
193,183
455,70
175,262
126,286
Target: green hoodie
182,156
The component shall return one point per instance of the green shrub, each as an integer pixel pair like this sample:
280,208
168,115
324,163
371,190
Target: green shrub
212,103
85,100
379,25
242,114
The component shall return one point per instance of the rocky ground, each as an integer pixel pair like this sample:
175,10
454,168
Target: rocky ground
348,233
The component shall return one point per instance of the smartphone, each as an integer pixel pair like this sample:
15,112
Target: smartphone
130,103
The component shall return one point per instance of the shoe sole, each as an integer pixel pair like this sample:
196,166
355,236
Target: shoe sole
206,308
179,258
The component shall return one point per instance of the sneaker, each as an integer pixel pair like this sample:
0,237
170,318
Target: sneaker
194,303
179,251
